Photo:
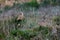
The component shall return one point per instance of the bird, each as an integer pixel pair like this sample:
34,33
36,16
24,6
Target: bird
20,16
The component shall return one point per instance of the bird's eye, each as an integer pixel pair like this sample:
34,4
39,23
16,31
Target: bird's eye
20,13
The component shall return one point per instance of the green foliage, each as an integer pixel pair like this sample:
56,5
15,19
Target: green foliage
0,11
45,31
27,34
14,32
49,2
46,2
40,28
17,5
6,8
2,35
56,20
33,3
54,2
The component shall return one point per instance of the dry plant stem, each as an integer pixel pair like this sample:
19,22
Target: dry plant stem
54,33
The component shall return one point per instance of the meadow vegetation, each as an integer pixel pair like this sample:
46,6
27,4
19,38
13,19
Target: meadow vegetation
27,28
11,29
56,20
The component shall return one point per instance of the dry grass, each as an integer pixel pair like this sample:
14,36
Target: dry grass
30,28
